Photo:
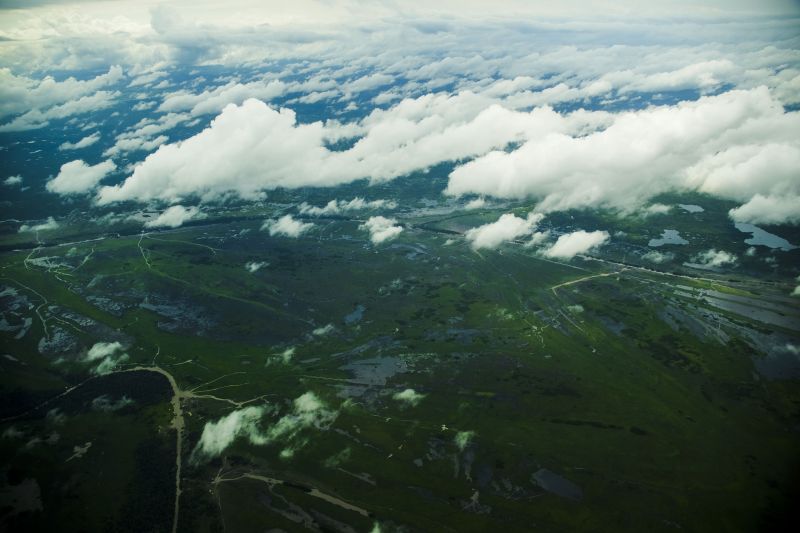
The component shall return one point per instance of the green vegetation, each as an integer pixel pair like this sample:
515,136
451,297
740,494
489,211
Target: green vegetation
634,385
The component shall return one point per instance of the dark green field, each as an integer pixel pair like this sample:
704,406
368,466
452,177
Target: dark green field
600,394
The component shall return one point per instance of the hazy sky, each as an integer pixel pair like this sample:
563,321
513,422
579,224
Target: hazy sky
540,7
355,11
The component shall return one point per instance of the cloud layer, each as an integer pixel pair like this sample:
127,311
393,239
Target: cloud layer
740,145
499,91
253,147
37,102
735,145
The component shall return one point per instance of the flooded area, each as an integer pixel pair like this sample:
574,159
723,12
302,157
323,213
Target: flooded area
754,309
368,373
179,315
773,312
775,354
781,362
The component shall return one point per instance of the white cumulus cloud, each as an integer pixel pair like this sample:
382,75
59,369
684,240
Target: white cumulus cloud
476,203
36,102
735,145
174,216
381,229
308,411
408,397
286,226
506,228
569,245
101,350
657,257
323,330
768,210
217,436
255,266
335,207
107,354
252,147
713,258
83,143
76,177
214,100
48,224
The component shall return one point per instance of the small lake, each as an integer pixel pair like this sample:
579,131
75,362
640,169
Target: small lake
367,373
668,236
763,238
691,208
782,362
356,316
552,482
